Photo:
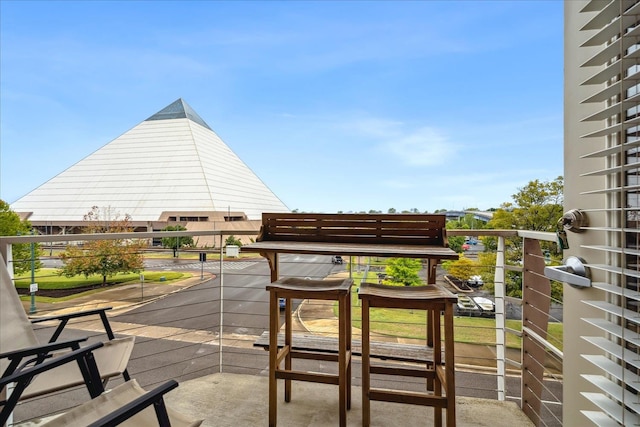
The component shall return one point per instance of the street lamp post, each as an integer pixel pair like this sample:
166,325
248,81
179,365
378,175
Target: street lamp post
33,286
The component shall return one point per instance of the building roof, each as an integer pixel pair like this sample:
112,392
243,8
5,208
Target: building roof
172,161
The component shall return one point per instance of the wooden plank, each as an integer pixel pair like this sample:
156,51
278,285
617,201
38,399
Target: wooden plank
418,229
362,249
412,398
316,377
379,350
402,372
364,217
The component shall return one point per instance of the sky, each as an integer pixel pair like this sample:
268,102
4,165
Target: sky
334,105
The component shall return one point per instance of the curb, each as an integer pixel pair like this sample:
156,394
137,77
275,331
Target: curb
126,306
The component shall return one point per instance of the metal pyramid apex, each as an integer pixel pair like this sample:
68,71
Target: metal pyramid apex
179,109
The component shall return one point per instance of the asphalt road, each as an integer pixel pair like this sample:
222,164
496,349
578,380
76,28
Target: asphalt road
244,314
244,296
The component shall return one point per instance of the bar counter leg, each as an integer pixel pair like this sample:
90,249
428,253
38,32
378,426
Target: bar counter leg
450,372
289,345
342,361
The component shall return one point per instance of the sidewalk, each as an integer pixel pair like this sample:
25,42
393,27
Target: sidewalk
121,297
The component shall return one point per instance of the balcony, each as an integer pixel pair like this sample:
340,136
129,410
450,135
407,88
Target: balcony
201,332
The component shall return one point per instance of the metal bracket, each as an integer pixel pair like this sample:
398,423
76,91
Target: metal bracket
573,272
574,220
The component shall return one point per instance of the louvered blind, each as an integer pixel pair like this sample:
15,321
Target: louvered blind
612,31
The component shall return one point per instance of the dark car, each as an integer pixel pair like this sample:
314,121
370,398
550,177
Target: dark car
337,259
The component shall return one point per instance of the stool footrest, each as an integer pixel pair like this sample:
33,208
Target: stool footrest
412,398
316,377
402,372
379,350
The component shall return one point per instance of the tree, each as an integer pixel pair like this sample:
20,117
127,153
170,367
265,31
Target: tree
461,269
176,243
232,240
12,225
104,257
404,271
537,206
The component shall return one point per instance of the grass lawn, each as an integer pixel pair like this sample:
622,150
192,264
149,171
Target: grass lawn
48,278
411,324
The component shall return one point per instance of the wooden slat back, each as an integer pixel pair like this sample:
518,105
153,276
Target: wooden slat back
396,229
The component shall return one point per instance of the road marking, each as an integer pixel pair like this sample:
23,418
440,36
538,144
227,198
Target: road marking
234,265
194,336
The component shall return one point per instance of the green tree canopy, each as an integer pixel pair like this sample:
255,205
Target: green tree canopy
404,271
462,268
232,240
12,225
176,243
536,206
103,257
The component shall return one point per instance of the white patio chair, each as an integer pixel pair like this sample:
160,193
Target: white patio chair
19,345
127,404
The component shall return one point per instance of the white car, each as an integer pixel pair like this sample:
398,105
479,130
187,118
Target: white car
475,281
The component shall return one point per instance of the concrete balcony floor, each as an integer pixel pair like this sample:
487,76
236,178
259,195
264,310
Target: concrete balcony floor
242,400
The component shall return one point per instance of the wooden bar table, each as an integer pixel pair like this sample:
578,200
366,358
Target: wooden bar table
417,236
271,249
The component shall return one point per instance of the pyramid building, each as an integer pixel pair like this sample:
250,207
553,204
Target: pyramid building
170,168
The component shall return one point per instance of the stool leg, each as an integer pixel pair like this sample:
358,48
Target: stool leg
449,365
430,365
342,361
366,405
274,314
349,349
288,344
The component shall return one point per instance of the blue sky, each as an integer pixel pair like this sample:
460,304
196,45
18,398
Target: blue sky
335,105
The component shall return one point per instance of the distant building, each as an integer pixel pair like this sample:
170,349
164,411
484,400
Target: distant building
170,169
478,215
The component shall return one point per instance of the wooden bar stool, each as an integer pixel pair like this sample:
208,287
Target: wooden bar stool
332,290
434,300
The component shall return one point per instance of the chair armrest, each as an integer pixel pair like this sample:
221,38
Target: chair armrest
54,362
41,353
153,397
70,315
64,319
22,378
46,348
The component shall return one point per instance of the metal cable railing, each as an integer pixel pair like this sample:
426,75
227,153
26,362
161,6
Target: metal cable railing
195,332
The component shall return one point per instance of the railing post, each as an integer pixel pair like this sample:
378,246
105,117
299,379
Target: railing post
221,305
499,294
536,300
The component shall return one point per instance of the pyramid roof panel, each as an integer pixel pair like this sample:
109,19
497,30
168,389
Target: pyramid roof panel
165,163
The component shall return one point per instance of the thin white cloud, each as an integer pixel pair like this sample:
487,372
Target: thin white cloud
375,127
399,184
422,147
